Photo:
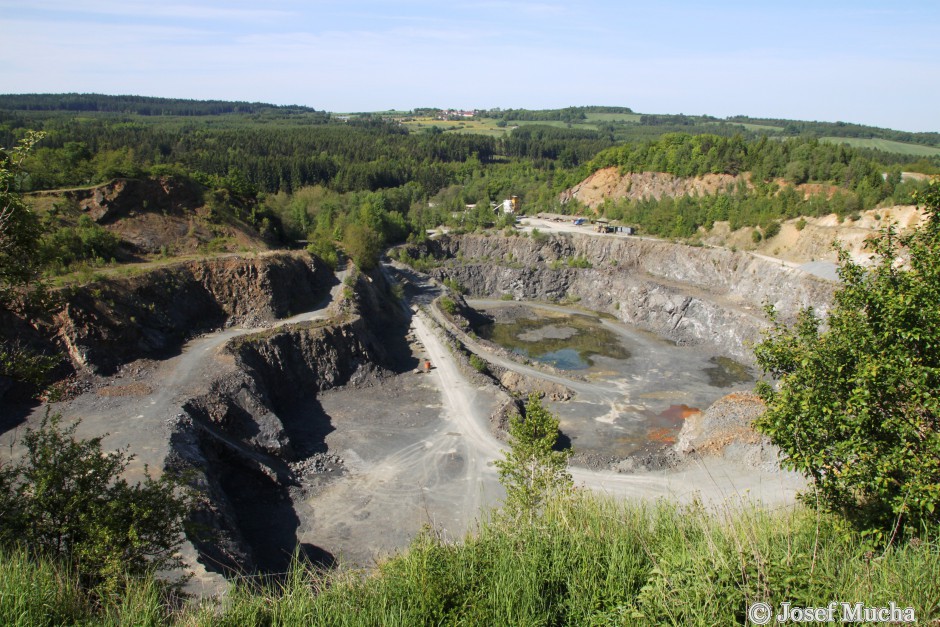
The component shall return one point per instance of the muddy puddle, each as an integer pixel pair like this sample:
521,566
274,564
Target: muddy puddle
565,341
634,389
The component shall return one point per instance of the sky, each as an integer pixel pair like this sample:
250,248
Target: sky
875,63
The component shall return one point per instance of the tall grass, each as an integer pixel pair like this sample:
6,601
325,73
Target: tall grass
587,560
35,591
593,561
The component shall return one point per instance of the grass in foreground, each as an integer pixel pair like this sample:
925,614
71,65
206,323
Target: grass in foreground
587,561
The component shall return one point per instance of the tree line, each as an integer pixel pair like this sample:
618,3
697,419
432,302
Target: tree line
309,177
842,129
141,105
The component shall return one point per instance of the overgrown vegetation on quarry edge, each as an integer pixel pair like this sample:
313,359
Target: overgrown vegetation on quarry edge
585,560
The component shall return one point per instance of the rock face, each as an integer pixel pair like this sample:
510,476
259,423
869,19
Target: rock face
159,214
114,321
724,429
692,295
122,197
610,183
249,441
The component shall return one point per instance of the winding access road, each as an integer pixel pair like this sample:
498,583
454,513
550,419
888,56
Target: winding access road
711,480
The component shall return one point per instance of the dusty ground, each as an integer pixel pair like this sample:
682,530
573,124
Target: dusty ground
713,480
624,407
407,451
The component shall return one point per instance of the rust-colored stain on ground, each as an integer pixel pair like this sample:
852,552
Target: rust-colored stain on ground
664,435
679,412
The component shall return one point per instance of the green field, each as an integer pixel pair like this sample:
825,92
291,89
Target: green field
886,145
487,126
479,126
556,123
760,127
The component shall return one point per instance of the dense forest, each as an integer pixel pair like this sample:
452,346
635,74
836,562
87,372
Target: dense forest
141,105
364,181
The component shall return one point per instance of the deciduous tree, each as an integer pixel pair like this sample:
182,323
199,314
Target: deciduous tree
856,407
20,229
67,500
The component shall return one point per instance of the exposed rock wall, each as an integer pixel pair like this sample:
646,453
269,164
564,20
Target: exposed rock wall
113,321
725,430
247,441
692,295
122,197
612,184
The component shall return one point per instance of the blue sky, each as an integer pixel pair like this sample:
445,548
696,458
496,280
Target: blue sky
866,62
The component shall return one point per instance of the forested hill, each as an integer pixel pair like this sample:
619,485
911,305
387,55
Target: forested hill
845,180
362,181
273,154
840,129
140,105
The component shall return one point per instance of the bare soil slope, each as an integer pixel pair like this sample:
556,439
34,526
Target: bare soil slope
152,215
814,242
610,183
811,243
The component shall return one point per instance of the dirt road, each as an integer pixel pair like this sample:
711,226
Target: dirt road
426,460
711,480
140,403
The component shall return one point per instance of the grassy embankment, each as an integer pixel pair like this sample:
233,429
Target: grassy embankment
589,561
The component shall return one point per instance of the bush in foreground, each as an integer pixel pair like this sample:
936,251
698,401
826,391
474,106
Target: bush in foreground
66,501
857,406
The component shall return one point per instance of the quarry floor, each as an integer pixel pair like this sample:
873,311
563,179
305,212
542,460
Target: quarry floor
415,449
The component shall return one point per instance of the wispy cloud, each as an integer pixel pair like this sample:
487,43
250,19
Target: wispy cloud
669,56
508,6
145,10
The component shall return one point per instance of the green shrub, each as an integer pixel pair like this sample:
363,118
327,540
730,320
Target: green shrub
363,244
65,500
478,363
84,242
857,405
801,224
448,305
453,285
772,230
21,363
533,471
579,262
325,249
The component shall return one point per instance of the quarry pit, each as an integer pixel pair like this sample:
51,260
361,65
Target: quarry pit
294,396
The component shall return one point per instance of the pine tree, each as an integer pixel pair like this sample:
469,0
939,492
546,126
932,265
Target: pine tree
533,470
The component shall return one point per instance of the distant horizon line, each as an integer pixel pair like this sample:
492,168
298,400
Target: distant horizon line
412,109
